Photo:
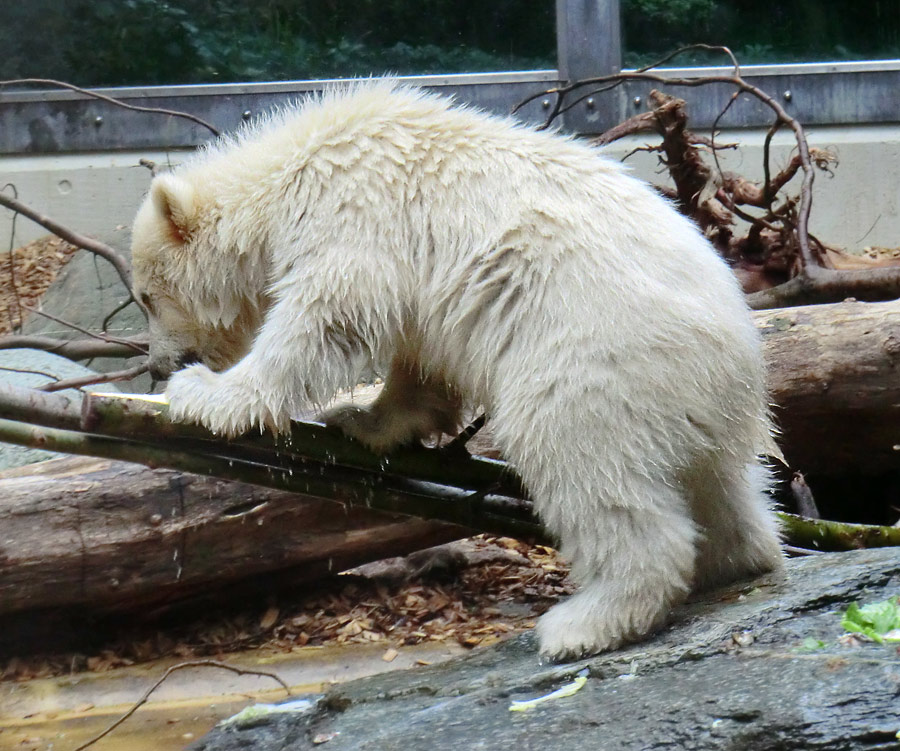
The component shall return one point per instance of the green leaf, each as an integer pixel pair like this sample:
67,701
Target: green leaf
811,645
875,620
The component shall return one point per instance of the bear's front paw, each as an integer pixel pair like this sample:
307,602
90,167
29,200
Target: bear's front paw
196,394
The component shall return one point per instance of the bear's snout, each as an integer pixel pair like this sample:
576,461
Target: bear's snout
162,369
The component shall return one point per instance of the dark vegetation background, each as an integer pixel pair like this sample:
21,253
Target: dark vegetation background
133,42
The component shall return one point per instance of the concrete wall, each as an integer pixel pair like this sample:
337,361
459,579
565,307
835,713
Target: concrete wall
98,193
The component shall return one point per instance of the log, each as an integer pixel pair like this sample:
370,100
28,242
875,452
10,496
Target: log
833,374
117,536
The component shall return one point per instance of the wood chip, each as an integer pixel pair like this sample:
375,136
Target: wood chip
482,603
269,619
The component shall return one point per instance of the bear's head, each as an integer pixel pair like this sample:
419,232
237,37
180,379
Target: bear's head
199,300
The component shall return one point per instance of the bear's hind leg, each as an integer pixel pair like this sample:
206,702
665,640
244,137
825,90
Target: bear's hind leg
633,562
411,407
739,535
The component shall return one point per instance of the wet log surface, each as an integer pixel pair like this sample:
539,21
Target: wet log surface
834,375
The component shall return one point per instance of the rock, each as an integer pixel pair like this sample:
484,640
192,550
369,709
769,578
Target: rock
24,367
730,672
86,290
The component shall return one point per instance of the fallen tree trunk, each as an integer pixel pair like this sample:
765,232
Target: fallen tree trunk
833,374
116,536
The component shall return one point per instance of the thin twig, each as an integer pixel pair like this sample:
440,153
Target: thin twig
768,193
712,132
181,666
86,332
94,378
103,97
77,349
115,311
12,265
81,241
643,74
28,371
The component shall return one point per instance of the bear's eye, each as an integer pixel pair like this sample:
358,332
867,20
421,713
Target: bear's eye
146,301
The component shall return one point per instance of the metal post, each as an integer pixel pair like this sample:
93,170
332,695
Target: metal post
589,43
588,37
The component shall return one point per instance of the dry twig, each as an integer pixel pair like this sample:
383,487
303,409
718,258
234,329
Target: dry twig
82,241
111,100
98,345
95,378
181,666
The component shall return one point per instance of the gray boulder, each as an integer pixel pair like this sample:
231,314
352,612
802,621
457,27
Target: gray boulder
25,368
731,672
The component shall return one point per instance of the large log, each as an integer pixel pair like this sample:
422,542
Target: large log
833,374
117,536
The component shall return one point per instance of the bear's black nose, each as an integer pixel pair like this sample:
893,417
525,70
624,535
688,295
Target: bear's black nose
187,358
157,374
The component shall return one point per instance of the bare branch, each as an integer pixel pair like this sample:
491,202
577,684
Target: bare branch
103,97
28,371
94,378
820,285
742,86
78,349
181,666
81,241
86,332
12,266
636,124
50,410
118,309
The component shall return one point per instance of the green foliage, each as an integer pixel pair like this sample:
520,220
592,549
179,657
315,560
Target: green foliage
761,32
880,621
133,42
811,644
682,12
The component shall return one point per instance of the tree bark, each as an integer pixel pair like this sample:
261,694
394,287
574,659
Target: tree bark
833,375
116,536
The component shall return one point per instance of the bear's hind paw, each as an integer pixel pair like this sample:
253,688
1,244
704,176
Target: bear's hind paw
587,624
365,426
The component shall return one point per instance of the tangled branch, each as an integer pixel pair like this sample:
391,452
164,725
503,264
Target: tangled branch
713,199
78,240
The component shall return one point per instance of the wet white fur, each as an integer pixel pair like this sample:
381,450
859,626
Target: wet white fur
385,229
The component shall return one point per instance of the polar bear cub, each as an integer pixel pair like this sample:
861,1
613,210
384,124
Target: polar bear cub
475,261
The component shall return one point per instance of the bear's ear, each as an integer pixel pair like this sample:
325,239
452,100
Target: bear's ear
176,201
